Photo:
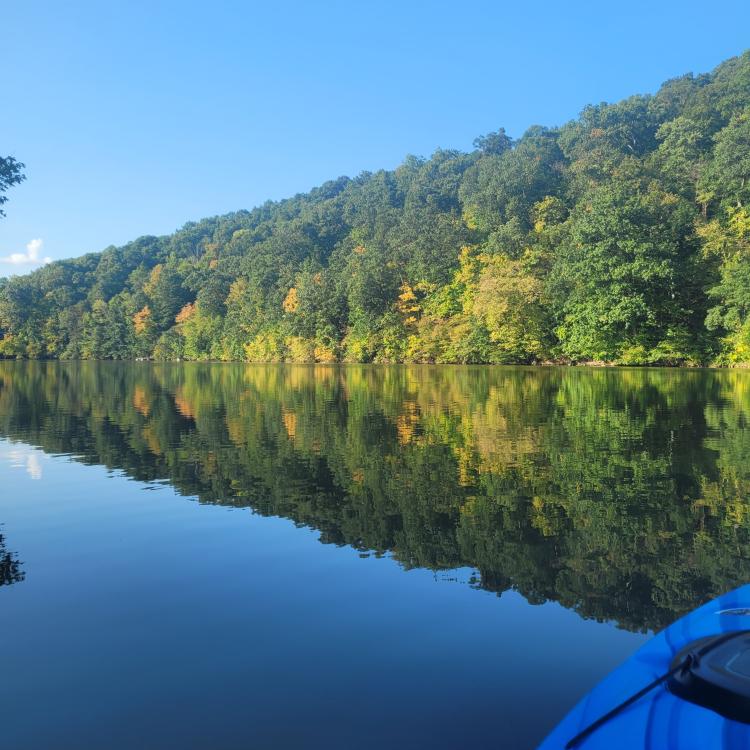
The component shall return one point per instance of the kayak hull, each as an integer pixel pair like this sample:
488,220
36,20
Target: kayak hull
660,720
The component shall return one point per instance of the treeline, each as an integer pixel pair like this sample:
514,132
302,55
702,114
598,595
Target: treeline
622,494
622,236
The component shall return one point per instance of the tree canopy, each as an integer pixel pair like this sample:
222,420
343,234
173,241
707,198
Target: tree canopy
11,173
622,236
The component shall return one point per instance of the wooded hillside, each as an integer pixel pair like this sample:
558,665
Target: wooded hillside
622,236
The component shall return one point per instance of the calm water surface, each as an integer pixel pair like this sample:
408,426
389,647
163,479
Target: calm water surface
229,556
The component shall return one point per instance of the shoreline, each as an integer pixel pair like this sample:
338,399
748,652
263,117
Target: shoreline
592,365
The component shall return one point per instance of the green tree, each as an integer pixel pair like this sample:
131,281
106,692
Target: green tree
625,278
11,173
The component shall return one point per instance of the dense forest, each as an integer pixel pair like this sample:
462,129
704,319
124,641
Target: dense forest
622,494
621,237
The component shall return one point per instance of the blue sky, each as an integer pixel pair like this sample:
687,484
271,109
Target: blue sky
135,117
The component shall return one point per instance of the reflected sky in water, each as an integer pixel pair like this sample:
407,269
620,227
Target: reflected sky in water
494,540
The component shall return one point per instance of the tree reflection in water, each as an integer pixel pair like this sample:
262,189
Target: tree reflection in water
10,567
623,494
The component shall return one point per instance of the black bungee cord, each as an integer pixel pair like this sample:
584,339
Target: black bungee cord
689,661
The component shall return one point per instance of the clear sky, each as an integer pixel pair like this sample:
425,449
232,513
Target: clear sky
135,117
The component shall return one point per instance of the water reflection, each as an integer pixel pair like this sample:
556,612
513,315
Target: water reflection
620,493
23,457
10,567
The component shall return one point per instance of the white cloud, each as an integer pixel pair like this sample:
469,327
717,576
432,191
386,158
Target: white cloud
25,458
34,466
30,257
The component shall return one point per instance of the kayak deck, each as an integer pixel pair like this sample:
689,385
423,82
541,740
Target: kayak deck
660,720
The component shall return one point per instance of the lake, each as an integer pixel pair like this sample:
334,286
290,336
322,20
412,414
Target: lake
266,556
